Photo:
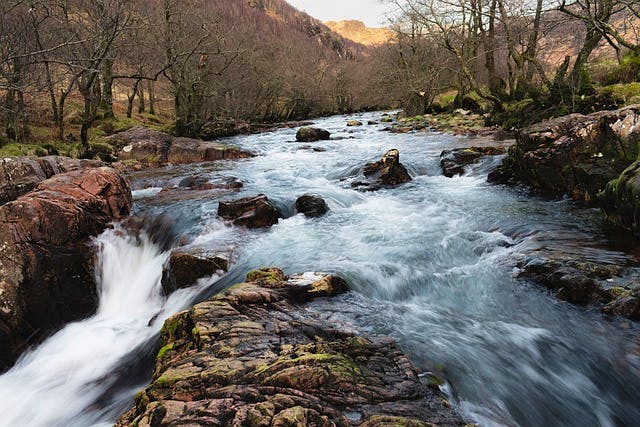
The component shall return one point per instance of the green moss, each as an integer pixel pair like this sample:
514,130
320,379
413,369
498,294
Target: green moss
164,349
53,147
621,93
267,275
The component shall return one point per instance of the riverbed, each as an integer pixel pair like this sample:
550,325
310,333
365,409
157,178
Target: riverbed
432,263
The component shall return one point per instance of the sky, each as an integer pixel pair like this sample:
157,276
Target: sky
371,12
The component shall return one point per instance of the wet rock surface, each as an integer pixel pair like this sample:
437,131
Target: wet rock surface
575,155
311,134
311,205
19,175
256,355
152,148
386,172
587,283
620,200
453,162
251,212
186,267
46,264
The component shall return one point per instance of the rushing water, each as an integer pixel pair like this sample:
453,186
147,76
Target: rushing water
431,263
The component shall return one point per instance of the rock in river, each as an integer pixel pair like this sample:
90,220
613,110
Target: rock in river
251,212
453,162
311,205
386,172
185,268
258,355
46,273
620,200
311,134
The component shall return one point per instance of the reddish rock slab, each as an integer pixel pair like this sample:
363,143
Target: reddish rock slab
46,263
19,175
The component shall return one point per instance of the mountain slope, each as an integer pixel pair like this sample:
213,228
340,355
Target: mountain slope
360,33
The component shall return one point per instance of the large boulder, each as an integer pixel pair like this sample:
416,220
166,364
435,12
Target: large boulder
151,148
19,175
185,268
454,162
620,200
311,205
311,134
386,172
251,212
575,155
46,273
261,355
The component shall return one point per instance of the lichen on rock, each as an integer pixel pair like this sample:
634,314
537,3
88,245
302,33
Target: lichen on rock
258,355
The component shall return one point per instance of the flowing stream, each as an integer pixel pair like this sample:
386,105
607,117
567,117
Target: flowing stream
432,263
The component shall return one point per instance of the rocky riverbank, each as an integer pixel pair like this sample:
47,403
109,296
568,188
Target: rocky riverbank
592,159
46,266
142,147
257,355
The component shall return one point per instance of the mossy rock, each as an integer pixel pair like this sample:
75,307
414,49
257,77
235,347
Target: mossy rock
267,276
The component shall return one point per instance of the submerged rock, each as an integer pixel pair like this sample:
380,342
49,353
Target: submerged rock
575,155
46,271
353,123
251,212
152,148
311,205
386,172
453,162
258,355
311,134
19,175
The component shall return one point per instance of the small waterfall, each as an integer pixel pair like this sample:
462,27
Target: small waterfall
63,381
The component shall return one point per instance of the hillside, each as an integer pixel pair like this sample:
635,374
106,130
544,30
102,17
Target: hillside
360,33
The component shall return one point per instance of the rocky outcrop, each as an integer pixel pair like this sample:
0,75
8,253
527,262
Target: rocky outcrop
311,134
19,175
386,172
150,148
251,212
574,155
46,274
620,200
587,284
454,162
311,205
185,268
259,355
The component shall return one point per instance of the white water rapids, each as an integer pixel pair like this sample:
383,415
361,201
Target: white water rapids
431,263
56,384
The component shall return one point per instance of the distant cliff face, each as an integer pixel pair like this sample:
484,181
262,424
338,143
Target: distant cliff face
277,19
360,33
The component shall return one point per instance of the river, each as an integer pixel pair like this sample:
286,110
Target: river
431,263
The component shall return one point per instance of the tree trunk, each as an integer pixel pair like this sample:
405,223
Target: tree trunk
131,98
577,76
10,116
107,88
152,97
141,103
